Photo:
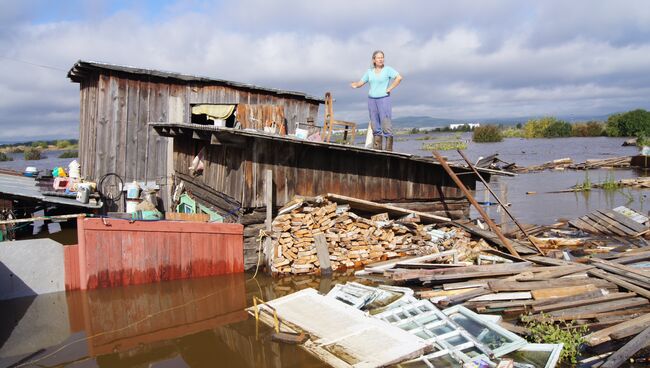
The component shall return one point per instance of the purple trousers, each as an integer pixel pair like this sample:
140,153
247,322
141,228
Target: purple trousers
380,116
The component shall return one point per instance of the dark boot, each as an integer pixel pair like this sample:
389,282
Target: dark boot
377,142
389,144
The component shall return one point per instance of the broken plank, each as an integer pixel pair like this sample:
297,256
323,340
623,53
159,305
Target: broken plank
601,307
580,303
612,225
620,282
498,285
639,342
599,337
635,226
561,292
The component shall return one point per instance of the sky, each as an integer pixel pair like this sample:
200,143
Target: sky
461,60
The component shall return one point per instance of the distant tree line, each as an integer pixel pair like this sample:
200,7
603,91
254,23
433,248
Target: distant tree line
635,123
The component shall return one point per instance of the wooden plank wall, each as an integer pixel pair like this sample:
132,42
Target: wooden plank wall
300,169
176,308
71,264
115,109
118,252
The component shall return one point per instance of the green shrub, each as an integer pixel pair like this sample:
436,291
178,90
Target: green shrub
629,124
547,332
588,129
558,129
32,153
513,132
642,140
69,154
62,144
487,133
39,144
4,157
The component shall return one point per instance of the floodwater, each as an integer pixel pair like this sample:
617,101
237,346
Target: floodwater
50,161
545,208
183,323
202,322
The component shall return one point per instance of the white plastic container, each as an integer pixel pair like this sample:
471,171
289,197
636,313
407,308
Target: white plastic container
131,205
132,190
83,193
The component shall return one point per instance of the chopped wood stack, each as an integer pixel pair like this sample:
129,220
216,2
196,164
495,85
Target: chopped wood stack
351,240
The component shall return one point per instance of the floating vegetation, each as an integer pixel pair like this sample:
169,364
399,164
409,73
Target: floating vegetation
443,146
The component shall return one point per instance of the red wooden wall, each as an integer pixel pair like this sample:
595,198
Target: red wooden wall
114,252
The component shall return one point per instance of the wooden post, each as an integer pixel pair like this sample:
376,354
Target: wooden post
505,209
480,210
268,199
323,254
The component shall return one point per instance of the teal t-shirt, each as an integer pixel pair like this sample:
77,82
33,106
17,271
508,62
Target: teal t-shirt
379,82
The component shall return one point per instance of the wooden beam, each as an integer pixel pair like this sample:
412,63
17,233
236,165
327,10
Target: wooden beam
505,208
603,335
620,282
369,206
639,342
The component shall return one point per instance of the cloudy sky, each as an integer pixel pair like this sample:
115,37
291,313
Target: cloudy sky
460,60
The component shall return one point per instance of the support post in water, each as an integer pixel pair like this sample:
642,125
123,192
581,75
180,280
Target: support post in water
505,209
471,199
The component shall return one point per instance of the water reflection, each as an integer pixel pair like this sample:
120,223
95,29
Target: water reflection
195,323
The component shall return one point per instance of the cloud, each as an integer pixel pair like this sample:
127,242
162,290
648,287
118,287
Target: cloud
461,60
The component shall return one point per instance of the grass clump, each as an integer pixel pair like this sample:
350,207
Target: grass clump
33,153
69,154
444,146
423,138
544,331
610,183
487,133
585,185
4,157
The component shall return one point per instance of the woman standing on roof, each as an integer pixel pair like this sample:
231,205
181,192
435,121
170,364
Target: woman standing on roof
383,79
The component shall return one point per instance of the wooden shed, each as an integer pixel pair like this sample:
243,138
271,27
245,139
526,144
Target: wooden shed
117,103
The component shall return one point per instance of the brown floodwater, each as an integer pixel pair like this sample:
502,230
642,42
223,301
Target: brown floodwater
193,323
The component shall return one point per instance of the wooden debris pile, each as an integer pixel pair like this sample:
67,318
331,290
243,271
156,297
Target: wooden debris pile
567,163
608,294
351,240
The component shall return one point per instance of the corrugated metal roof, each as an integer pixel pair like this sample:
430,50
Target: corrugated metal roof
21,186
82,68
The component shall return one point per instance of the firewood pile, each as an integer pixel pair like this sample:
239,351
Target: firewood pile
352,240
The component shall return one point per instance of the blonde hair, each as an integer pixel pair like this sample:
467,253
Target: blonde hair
375,54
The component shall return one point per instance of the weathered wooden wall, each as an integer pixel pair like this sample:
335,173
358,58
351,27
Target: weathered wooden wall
118,253
301,169
115,108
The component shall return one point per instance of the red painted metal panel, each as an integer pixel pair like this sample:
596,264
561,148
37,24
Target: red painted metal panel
119,252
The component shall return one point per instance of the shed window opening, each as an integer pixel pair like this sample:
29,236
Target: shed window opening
219,115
